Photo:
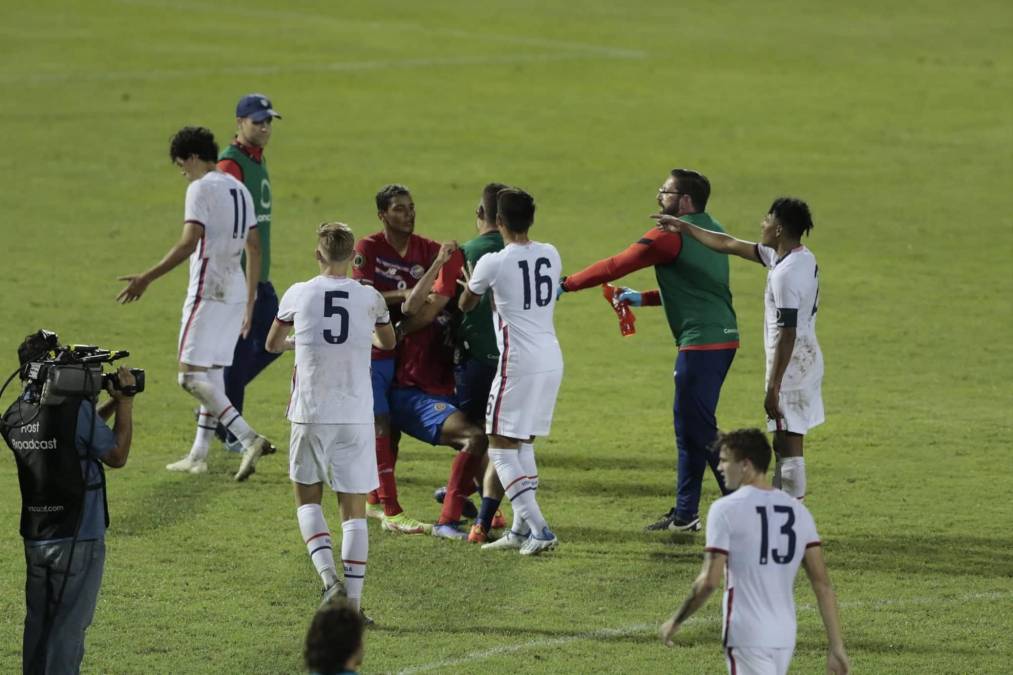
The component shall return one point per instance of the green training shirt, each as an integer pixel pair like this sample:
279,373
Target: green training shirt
257,182
476,335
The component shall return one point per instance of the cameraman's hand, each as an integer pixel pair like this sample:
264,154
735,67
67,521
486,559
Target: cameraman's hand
126,380
134,290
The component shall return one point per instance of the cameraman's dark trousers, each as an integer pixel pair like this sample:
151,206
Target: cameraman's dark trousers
46,564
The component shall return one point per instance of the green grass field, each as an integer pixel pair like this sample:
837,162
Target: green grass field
892,119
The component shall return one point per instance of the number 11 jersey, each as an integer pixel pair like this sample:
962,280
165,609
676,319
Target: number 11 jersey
333,319
523,279
765,534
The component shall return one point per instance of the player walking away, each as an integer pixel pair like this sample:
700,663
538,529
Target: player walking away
693,288
476,356
335,322
793,402
218,225
759,536
244,160
523,277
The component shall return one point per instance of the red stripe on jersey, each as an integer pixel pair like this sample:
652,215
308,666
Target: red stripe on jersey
318,535
283,322
195,222
814,543
728,613
196,302
734,344
504,357
714,549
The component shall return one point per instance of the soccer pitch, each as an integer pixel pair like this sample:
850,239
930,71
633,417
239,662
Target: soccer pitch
893,120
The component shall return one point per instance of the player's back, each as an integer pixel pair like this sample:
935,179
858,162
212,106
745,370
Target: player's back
334,319
524,278
765,534
224,208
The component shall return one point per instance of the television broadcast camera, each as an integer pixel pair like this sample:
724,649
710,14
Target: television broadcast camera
54,372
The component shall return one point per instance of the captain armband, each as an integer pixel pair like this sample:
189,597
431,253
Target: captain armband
787,318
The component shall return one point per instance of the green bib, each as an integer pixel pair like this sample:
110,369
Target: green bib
695,293
476,336
256,181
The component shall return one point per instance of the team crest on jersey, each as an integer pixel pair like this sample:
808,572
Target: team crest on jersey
439,407
358,260
417,271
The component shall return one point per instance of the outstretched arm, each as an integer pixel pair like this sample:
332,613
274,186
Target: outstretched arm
138,283
420,292
654,248
816,569
717,241
704,585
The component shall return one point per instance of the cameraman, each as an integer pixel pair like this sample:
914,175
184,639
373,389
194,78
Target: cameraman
59,451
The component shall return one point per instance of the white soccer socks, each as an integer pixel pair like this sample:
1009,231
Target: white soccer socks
518,488
526,455
317,536
206,425
793,476
354,552
209,388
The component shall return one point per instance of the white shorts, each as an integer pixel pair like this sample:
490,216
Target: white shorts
342,455
209,332
802,410
757,660
520,406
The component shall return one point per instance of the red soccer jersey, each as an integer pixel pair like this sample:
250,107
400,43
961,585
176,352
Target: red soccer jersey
425,357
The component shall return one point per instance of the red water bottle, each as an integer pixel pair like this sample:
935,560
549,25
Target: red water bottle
627,321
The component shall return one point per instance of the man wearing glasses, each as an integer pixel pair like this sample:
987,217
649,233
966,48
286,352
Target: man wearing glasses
693,289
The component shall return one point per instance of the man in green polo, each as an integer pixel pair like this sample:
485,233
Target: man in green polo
693,289
244,159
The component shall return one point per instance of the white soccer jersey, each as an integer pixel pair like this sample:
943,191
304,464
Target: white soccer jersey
224,209
523,279
334,319
765,534
792,295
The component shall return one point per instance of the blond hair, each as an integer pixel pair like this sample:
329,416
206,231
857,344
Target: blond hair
336,241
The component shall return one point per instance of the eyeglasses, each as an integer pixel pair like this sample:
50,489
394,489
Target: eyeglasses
662,191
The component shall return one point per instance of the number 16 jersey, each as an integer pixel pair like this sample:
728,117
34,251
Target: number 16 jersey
765,534
333,319
523,279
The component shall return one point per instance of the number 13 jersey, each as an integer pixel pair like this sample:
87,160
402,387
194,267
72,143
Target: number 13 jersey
523,279
765,534
333,319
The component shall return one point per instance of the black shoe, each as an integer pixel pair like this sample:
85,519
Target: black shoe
680,525
469,510
662,523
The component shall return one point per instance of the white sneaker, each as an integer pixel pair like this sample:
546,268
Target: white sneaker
250,456
188,465
535,545
509,541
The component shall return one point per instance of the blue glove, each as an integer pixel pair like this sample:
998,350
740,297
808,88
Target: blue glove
631,296
560,289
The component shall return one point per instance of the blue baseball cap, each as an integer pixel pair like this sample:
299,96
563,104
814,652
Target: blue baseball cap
255,106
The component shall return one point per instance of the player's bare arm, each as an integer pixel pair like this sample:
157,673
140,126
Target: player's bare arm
384,337
717,241
181,250
253,257
703,586
278,338
420,293
434,304
816,570
783,348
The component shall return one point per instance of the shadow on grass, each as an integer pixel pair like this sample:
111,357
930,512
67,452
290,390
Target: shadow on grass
165,504
956,555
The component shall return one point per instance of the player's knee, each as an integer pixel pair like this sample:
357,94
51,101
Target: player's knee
195,384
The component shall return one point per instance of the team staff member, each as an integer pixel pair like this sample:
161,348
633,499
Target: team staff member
64,515
693,287
244,160
758,537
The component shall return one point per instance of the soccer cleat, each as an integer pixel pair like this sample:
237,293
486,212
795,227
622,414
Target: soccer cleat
402,524
509,541
498,521
188,465
374,511
478,535
448,531
469,510
234,446
662,523
335,590
535,545
680,525
250,456
366,619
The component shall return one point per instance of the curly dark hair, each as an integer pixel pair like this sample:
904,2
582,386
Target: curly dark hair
793,214
751,444
335,634
190,141
387,193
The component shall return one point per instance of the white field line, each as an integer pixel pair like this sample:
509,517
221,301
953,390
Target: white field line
634,629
